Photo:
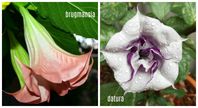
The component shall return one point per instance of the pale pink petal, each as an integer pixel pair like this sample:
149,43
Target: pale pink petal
35,89
44,88
82,77
30,92
58,67
35,83
45,94
25,96
30,80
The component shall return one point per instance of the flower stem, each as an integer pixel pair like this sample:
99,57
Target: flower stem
133,99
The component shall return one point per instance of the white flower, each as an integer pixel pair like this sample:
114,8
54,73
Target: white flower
144,54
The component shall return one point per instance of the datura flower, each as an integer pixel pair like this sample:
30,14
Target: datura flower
50,68
144,55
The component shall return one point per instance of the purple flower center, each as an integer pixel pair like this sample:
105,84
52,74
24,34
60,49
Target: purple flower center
147,49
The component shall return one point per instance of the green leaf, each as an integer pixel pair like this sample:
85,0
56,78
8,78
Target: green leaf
177,8
102,57
28,5
162,101
17,52
112,12
191,43
179,93
158,101
109,90
31,6
160,10
21,3
189,13
127,17
106,33
177,23
185,10
188,54
155,99
56,13
63,39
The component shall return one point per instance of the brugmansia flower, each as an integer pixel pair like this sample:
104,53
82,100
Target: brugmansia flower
144,54
50,68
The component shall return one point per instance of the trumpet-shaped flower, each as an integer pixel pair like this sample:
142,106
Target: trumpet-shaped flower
51,68
144,54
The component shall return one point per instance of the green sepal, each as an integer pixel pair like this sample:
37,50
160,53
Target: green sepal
17,52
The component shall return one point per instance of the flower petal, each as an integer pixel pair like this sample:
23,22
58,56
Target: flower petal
132,27
158,82
169,70
25,96
119,41
172,51
82,77
160,32
138,83
30,92
44,89
145,64
60,67
63,88
118,63
30,80
35,89
130,31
